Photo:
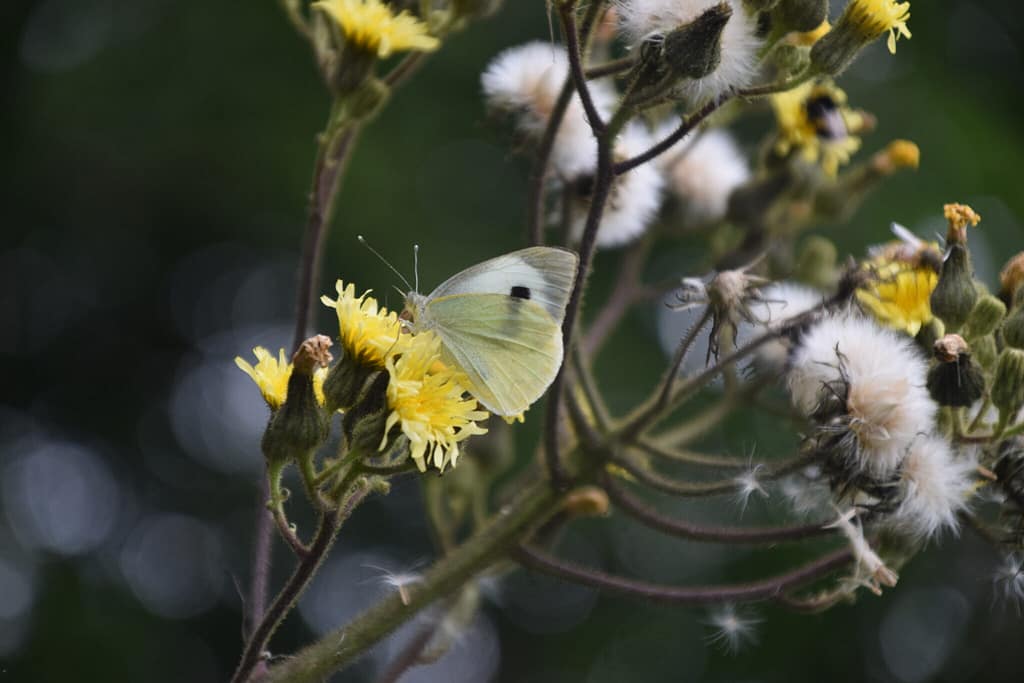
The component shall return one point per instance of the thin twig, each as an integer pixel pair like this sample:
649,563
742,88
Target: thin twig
690,457
615,66
409,65
764,589
572,43
698,489
650,517
408,657
687,125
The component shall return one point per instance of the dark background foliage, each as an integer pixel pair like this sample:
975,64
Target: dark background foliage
157,159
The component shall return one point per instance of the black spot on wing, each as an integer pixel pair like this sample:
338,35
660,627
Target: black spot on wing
520,292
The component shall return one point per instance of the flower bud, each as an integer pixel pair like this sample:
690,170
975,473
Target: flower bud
694,50
862,22
802,16
897,154
587,501
300,425
367,99
1011,278
1013,329
955,295
985,352
1008,385
955,379
344,382
816,262
985,317
364,424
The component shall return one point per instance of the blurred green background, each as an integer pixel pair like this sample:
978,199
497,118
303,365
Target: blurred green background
158,156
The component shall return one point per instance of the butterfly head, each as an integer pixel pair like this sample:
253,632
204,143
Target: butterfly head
412,316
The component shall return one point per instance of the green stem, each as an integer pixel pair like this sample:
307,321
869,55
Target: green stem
341,647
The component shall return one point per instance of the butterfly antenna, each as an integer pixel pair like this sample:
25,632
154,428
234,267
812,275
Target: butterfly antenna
905,235
416,265
362,240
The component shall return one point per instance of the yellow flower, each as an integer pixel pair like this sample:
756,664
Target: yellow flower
371,25
429,405
808,38
368,333
872,18
898,293
271,376
814,120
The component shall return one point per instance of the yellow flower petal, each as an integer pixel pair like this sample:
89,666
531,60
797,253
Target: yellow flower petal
371,25
271,375
368,332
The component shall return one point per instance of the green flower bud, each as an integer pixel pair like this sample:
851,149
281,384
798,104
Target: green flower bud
345,381
695,50
1008,385
955,379
300,425
690,51
985,317
985,352
816,262
1013,329
954,296
364,423
800,15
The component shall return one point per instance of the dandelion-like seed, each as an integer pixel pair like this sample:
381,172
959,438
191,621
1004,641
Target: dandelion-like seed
747,484
870,572
399,581
1008,582
733,629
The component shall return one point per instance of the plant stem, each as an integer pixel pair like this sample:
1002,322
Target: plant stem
698,489
573,41
341,647
626,291
687,124
764,589
690,457
650,517
615,66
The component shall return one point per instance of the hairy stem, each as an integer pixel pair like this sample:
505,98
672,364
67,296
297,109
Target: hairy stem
341,647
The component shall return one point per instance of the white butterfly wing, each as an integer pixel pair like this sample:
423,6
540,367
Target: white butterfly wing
510,348
541,274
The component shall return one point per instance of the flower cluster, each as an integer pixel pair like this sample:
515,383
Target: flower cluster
427,401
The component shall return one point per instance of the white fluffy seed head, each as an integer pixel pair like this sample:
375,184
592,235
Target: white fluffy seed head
702,171
935,485
525,82
640,19
883,375
635,196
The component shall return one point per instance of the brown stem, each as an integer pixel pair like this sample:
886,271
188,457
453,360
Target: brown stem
572,43
650,517
327,173
699,489
687,124
764,589
253,653
616,66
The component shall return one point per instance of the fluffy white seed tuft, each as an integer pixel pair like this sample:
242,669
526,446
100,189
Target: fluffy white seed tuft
702,172
935,486
883,375
635,196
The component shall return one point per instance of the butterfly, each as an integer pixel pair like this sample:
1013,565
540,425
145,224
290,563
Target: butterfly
500,323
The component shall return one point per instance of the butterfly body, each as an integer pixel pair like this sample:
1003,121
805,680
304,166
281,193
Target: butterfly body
500,323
